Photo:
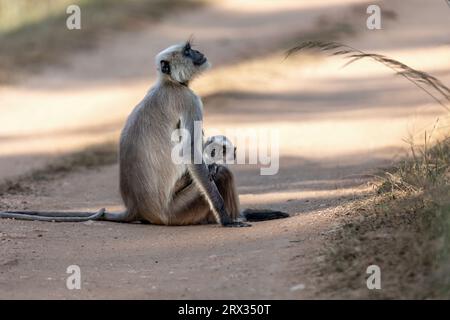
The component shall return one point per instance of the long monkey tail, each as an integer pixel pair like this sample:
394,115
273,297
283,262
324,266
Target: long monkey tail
254,215
65,216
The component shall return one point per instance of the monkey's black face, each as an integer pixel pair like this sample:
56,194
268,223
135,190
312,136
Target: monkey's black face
197,57
181,63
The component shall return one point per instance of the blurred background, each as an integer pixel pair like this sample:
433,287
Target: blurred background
65,94
62,90
66,90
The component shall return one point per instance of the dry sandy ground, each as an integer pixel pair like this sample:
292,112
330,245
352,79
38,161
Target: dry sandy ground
336,126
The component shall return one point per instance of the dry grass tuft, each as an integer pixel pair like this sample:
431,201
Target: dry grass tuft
427,169
426,82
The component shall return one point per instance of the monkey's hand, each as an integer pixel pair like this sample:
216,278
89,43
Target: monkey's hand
213,168
201,175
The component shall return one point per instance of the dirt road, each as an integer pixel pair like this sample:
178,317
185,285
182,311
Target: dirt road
336,126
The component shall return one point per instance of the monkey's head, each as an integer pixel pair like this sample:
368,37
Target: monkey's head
219,149
181,63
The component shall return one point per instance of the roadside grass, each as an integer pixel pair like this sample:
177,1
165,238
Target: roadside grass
405,227
34,33
426,177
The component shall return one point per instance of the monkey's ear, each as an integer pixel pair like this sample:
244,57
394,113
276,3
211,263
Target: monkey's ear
165,67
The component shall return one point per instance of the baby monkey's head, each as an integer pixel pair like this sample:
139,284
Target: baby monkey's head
219,149
181,63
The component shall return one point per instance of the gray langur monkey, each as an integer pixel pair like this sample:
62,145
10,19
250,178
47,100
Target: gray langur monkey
153,187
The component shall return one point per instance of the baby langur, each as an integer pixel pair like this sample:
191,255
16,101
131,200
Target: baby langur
154,188
220,151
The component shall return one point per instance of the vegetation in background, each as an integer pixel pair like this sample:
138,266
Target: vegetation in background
405,228
33,33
